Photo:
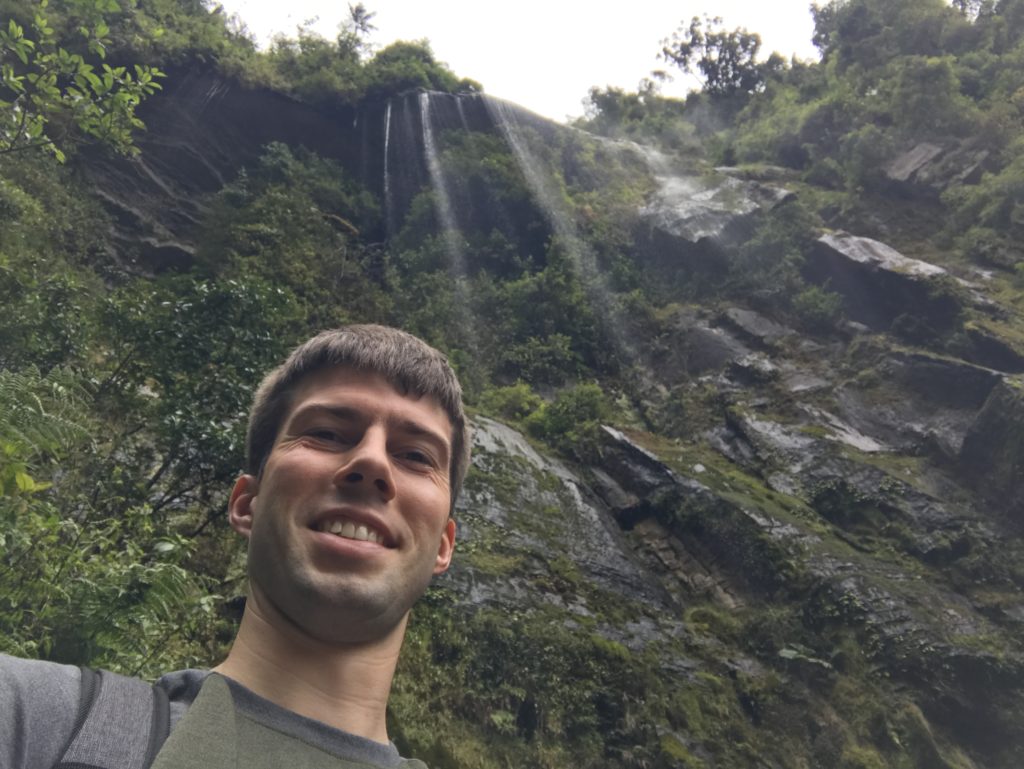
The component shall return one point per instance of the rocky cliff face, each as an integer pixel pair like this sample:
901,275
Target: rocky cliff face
819,560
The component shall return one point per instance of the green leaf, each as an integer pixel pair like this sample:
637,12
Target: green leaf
24,481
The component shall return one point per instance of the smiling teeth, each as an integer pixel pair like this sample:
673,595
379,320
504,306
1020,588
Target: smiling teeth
350,530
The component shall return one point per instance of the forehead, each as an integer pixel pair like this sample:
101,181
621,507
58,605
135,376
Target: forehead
368,392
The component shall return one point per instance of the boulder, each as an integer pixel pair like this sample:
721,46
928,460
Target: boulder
755,327
879,284
694,347
942,381
690,218
695,208
992,453
508,506
930,168
987,349
907,166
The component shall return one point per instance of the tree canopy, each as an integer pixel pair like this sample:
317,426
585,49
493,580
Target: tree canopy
724,60
56,92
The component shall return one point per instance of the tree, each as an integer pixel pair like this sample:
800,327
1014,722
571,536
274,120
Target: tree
360,19
725,59
356,30
81,582
52,97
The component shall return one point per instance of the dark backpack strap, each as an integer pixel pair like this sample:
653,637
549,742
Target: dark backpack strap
122,723
160,726
89,685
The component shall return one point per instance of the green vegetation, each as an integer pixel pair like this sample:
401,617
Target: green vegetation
726,60
768,628
52,96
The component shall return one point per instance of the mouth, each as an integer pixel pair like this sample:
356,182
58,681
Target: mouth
349,529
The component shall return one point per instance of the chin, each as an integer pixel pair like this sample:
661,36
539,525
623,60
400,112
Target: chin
348,615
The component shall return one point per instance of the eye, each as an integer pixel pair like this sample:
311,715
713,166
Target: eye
417,457
324,435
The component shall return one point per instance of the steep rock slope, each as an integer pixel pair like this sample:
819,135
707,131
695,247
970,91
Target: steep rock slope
789,547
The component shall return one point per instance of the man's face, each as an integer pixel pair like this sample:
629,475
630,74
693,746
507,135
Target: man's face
349,519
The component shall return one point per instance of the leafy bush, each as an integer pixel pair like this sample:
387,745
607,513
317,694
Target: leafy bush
403,66
818,309
767,264
81,583
996,202
295,221
515,402
572,421
984,245
317,70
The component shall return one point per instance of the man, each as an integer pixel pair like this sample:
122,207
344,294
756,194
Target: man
356,450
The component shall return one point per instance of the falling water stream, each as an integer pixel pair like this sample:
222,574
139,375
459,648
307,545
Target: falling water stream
581,255
449,227
452,235
389,203
414,149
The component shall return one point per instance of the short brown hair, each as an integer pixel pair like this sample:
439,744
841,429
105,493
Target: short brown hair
407,362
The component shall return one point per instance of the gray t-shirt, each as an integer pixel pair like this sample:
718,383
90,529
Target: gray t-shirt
39,703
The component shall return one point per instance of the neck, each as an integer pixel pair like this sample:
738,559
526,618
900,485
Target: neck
342,685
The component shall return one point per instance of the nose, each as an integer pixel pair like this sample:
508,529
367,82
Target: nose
368,463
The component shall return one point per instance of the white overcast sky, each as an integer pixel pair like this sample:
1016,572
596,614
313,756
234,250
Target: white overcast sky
542,54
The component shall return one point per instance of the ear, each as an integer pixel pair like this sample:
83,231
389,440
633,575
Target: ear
240,505
444,552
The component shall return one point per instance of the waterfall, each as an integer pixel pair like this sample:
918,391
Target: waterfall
450,229
539,181
389,204
462,114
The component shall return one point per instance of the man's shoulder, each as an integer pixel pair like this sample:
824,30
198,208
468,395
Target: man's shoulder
16,671
39,701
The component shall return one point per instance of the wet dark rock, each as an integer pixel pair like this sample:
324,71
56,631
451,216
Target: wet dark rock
690,219
637,469
850,494
941,380
907,166
753,369
929,168
915,401
157,197
922,633
986,349
879,285
993,449
693,348
523,502
755,327
906,424
702,528
695,208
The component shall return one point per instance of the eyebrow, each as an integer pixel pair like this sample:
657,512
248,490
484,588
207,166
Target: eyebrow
350,414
